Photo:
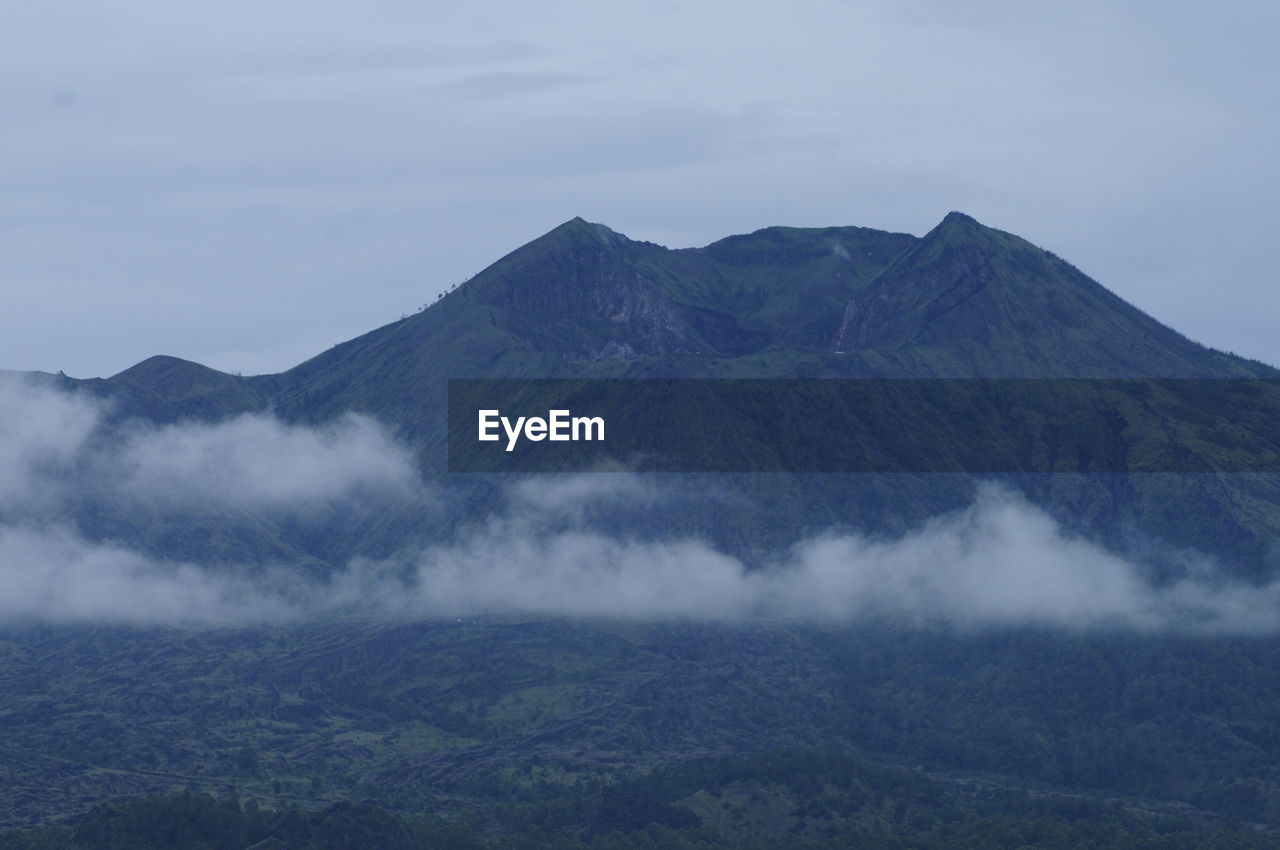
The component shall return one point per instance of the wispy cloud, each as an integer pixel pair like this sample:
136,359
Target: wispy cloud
512,83
54,450
259,461
1000,562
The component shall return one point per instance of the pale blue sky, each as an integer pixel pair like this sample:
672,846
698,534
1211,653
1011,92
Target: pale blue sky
244,184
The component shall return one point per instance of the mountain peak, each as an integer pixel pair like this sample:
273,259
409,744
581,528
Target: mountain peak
956,226
984,302
579,228
160,365
168,388
583,291
956,218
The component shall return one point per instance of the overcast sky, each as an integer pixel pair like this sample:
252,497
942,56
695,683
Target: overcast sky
245,184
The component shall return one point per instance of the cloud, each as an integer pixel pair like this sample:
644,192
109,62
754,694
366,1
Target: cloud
1000,562
53,449
576,495
41,433
582,574
259,461
53,575
511,84
553,547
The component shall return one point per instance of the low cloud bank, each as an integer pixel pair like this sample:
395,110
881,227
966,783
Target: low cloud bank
258,461
42,431
1002,561
52,451
53,575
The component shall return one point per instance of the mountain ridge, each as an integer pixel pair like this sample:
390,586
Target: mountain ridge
582,301
586,292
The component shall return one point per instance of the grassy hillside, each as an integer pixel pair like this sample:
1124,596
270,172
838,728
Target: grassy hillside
768,732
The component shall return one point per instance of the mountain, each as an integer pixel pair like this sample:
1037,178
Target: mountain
964,300
968,300
496,730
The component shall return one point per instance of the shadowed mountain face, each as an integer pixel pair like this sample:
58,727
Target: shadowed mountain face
583,301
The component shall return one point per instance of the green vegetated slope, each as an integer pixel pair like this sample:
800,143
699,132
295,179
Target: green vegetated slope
568,733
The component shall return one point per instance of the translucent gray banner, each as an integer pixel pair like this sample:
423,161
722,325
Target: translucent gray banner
994,426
